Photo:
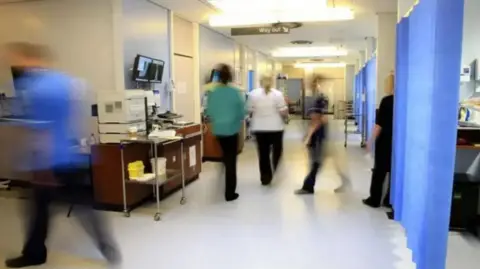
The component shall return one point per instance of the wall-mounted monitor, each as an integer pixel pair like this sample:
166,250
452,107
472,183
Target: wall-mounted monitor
155,73
141,68
214,76
473,70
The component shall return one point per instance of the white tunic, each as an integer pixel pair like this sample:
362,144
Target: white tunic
265,109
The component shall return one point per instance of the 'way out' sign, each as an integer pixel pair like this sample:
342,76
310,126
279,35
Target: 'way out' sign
260,31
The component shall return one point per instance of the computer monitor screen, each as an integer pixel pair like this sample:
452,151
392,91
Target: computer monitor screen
17,74
156,71
141,68
214,76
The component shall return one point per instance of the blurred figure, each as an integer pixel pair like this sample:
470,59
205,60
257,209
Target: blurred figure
226,110
49,107
269,111
318,146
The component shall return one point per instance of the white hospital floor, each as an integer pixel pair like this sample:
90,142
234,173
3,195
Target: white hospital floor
268,227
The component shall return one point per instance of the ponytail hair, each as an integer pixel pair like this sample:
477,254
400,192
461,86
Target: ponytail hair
266,82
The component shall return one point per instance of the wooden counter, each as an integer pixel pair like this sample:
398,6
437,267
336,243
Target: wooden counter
211,148
107,173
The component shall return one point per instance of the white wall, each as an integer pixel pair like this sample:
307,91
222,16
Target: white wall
403,7
145,32
214,49
386,50
79,32
262,63
183,37
333,84
349,81
471,43
185,69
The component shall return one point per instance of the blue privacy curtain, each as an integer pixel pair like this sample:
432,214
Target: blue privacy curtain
371,92
361,104
428,81
358,100
400,114
251,80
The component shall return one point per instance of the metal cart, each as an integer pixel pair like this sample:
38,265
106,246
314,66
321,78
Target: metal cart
349,117
156,182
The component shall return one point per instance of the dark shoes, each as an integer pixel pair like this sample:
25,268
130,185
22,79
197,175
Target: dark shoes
368,202
303,191
22,262
372,204
387,205
232,197
266,180
111,254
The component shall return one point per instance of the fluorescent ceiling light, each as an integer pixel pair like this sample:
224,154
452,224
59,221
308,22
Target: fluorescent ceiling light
309,52
255,17
267,5
313,65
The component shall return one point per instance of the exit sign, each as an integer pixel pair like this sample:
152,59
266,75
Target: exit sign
260,31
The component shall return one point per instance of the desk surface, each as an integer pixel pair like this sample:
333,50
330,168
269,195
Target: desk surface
476,146
82,150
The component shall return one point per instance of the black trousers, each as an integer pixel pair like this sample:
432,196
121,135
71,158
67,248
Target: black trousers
382,168
229,145
376,186
315,154
71,191
269,142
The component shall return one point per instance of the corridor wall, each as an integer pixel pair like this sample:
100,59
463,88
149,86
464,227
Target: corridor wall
88,55
428,84
153,42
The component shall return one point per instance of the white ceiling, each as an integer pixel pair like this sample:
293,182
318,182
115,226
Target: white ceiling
15,1
348,34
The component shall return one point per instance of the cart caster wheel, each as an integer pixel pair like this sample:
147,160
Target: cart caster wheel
345,145
157,217
127,214
183,201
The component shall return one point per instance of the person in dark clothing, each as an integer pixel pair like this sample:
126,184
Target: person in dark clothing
382,137
319,148
49,97
315,141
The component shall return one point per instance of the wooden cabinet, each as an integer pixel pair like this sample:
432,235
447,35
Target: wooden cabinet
107,173
211,148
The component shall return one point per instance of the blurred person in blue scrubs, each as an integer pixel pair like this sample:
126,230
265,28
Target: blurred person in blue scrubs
48,95
318,144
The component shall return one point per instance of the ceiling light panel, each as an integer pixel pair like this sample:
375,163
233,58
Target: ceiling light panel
267,5
324,65
255,17
296,52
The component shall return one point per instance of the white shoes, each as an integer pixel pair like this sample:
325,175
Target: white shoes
345,186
